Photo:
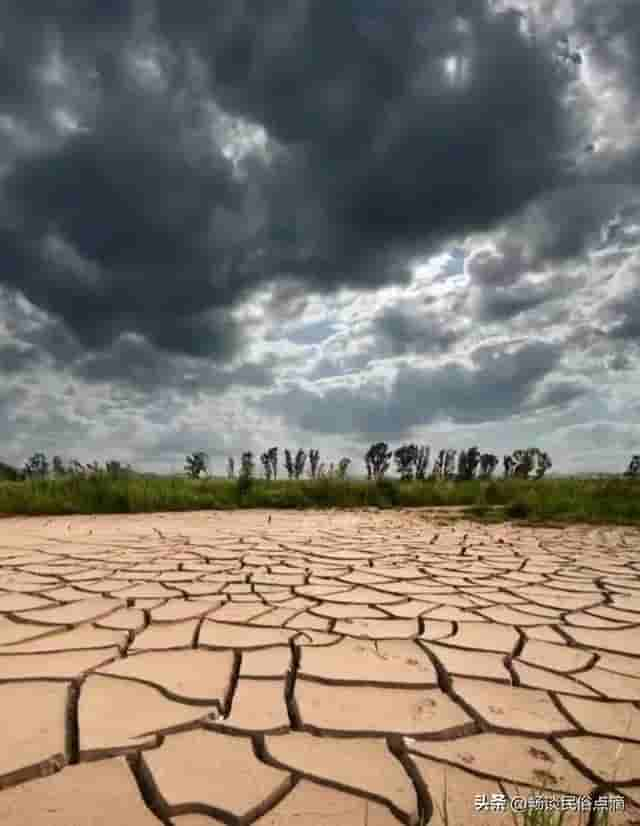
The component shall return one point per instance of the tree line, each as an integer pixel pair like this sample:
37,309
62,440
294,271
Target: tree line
38,466
411,460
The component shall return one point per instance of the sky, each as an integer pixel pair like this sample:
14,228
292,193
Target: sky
319,224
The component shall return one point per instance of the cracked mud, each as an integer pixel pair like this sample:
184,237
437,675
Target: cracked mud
317,668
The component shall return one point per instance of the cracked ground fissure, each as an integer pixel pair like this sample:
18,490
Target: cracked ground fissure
251,671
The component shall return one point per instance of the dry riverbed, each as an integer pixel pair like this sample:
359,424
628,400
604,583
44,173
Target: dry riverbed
314,668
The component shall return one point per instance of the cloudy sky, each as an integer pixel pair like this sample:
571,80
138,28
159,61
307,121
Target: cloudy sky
319,223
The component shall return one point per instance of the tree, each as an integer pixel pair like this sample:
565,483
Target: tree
58,468
322,471
231,471
245,477
247,465
301,458
36,466
288,463
266,464
76,468
314,458
473,460
343,465
462,466
377,460
8,473
406,458
438,467
509,464
117,470
525,461
422,461
468,462
544,463
93,467
488,463
196,464
272,453
633,469
450,463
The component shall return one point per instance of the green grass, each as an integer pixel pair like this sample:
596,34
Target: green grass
614,501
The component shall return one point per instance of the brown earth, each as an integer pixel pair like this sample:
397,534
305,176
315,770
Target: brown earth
318,668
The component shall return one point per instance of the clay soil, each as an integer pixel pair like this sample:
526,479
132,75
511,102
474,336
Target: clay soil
336,668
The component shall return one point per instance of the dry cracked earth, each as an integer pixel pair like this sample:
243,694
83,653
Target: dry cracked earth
313,668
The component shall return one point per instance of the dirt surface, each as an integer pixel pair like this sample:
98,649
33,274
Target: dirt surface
315,668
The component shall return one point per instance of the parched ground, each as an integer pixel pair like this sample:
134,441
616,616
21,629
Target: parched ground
337,668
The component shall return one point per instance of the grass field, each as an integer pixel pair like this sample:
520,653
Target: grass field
615,501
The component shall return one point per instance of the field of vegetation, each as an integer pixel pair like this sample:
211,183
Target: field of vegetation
552,499
523,492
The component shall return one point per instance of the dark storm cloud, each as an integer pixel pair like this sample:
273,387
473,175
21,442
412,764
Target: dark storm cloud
597,207
30,31
568,220
133,362
565,223
137,222
394,152
110,232
499,385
